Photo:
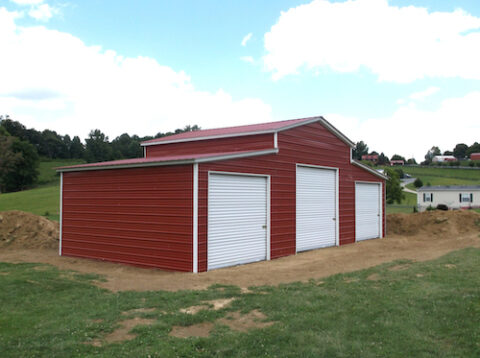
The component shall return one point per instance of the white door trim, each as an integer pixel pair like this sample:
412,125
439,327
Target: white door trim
268,196
61,215
195,218
380,204
337,220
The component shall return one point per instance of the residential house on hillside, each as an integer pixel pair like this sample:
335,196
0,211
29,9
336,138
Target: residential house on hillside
454,197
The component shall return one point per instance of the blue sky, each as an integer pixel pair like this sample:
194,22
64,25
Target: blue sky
401,75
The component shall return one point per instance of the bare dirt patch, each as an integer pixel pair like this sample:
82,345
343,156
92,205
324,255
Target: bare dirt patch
138,310
244,322
122,333
19,229
373,277
196,330
217,305
416,237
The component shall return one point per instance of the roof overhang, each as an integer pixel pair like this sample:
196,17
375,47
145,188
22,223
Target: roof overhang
320,119
157,163
368,169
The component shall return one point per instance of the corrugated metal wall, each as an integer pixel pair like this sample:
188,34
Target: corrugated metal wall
139,216
254,142
310,144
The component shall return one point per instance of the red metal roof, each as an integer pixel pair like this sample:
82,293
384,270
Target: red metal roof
165,160
232,131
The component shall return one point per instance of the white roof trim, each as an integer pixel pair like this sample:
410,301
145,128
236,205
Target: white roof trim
172,162
368,169
320,119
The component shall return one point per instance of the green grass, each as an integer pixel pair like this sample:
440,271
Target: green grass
444,176
428,309
43,200
406,206
38,201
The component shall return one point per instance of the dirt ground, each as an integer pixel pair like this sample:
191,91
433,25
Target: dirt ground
418,237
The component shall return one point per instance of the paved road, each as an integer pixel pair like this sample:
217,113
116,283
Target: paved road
406,181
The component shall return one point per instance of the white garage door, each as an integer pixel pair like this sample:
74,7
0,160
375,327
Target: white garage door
237,219
367,211
316,208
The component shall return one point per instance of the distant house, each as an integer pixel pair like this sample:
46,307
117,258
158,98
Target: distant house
475,156
454,197
371,158
444,158
397,162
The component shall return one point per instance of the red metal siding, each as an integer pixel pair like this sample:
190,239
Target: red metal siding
309,144
475,156
139,216
254,142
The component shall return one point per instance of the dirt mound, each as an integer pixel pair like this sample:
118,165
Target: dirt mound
19,229
437,223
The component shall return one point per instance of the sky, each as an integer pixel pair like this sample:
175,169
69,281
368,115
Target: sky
401,75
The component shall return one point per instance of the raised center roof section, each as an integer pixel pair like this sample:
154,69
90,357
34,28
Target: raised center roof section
251,129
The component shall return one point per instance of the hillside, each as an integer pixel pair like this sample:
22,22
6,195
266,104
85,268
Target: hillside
43,200
444,176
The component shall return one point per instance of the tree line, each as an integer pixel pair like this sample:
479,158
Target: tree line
22,148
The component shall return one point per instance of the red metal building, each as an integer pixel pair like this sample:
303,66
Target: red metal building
475,156
221,197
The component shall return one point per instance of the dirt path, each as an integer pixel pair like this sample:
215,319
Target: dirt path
300,267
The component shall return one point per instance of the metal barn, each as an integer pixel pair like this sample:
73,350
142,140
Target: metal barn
214,198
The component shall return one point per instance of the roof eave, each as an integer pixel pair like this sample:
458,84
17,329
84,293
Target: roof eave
368,169
171,162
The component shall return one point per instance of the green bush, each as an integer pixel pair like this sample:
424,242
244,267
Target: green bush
418,183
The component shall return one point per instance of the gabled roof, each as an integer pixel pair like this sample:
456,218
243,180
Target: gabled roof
166,160
449,188
251,129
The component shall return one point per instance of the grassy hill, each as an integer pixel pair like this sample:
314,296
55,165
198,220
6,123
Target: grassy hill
44,199
445,176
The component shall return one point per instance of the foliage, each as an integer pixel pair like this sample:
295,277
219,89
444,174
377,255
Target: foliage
398,157
411,161
383,159
18,163
393,187
418,183
360,149
426,309
400,172
98,148
432,152
474,148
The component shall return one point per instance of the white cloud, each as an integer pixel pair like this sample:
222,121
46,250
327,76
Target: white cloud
410,131
419,96
398,44
42,12
248,59
246,38
27,2
51,79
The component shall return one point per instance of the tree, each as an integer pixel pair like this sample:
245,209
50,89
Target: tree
125,146
460,151
18,163
474,148
418,183
77,149
432,152
360,149
398,157
98,148
411,161
383,159
448,152
393,187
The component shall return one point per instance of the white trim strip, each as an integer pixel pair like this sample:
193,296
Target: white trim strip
173,162
61,215
195,217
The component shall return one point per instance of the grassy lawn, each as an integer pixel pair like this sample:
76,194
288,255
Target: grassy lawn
444,176
43,200
426,309
406,206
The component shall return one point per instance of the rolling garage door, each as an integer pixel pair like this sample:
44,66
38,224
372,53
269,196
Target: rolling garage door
367,211
316,208
237,219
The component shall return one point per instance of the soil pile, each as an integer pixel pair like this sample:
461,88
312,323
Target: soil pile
19,229
437,223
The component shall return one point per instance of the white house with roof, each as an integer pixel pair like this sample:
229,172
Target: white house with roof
453,196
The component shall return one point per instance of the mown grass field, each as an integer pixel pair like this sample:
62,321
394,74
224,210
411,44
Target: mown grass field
423,309
445,176
45,198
